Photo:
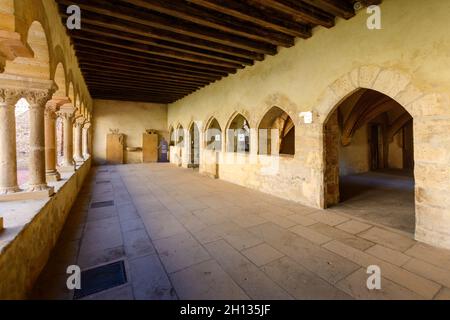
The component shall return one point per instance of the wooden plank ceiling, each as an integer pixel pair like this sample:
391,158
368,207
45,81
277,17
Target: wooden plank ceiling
162,50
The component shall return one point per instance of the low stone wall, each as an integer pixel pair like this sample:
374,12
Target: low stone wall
281,176
25,247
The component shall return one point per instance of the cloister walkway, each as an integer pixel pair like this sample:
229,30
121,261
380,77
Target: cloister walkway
185,236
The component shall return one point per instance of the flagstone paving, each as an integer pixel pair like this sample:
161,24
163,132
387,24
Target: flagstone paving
182,235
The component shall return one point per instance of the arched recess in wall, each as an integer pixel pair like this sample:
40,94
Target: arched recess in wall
171,136
213,135
238,134
180,136
194,140
276,133
369,158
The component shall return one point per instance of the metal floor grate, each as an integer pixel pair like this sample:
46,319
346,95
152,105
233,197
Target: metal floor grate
101,278
102,204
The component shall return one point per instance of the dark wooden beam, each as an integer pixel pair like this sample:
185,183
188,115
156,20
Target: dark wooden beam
114,24
92,31
266,18
123,78
138,73
124,66
179,9
299,11
148,49
83,50
114,51
93,85
338,8
135,98
170,24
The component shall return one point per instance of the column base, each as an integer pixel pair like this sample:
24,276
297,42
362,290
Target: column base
9,190
27,195
79,160
67,169
53,176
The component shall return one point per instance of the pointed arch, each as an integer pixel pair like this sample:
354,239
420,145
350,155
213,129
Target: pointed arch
276,132
238,134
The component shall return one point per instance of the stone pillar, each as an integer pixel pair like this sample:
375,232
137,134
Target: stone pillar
85,140
37,178
50,139
8,160
78,131
66,112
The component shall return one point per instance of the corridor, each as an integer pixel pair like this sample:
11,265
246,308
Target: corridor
181,235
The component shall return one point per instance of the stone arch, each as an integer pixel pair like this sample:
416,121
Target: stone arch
276,118
213,134
179,135
59,77
390,82
37,41
232,134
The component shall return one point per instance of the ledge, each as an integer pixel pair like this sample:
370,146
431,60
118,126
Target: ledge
31,229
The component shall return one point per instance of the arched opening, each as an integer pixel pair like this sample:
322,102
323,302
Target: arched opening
194,135
38,65
369,158
276,133
180,137
22,140
214,135
238,135
60,81
171,136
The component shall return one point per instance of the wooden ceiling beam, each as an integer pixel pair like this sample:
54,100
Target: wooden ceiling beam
135,98
124,66
147,49
105,32
116,10
97,86
83,49
338,8
301,12
103,21
123,78
266,18
204,17
143,77
134,72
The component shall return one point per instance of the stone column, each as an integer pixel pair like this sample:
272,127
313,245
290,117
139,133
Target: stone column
50,138
78,126
66,112
85,140
8,159
37,100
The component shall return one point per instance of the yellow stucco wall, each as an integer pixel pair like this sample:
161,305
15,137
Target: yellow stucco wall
132,119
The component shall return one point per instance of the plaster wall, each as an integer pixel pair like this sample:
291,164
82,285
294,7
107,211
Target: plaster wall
132,119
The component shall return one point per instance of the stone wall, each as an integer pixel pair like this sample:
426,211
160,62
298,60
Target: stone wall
27,241
407,60
132,119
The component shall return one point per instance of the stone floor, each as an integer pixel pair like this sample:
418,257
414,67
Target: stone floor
186,236
385,197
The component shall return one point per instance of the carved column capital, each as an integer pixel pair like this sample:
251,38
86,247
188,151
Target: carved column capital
79,121
10,96
87,125
38,98
66,111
